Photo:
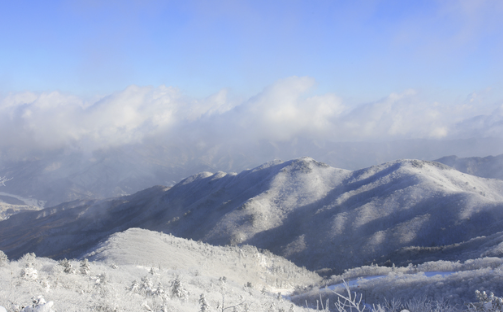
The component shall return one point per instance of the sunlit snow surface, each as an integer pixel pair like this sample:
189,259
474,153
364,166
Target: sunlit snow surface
137,253
153,261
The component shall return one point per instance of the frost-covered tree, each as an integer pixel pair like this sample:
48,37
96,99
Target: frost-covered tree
153,271
85,268
160,292
39,305
146,286
29,272
135,287
203,303
487,302
101,280
223,290
246,308
67,266
28,258
178,290
3,258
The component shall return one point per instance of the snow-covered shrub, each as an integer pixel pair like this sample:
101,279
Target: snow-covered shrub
440,265
146,286
135,287
352,301
160,292
487,303
479,263
67,266
178,290
45,285
203,303
153,271
39,305
85,268
29,272
3,258
101,280
28,259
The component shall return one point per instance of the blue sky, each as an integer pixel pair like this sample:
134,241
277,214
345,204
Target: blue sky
359,50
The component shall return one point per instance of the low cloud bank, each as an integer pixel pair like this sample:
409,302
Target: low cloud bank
284,111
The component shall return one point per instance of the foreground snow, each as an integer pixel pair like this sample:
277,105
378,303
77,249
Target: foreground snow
141,270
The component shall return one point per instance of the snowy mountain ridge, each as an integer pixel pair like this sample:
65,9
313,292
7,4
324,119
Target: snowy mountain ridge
63,175
312,214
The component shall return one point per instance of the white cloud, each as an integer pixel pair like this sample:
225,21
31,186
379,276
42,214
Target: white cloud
281,112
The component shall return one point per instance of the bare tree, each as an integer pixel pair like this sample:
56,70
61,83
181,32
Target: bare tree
221,307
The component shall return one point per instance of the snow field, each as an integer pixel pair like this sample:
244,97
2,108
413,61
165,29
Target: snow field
125,288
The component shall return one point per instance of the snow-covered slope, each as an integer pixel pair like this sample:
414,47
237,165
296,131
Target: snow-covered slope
239,264
307,211
141,270
486,167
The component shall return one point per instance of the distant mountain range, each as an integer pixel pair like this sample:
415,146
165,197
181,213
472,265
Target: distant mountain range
54,177
486,167
406,211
